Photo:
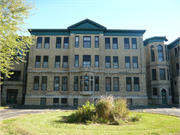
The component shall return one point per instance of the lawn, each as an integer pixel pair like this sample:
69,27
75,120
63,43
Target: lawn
52,123
3,107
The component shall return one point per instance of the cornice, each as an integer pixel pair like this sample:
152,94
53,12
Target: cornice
155,39
174,43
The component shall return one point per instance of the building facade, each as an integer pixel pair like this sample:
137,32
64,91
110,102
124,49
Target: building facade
174,53
87,60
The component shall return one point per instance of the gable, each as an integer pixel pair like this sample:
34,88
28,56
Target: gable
86,24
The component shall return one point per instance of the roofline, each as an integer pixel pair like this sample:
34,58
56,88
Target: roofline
155,39
173,43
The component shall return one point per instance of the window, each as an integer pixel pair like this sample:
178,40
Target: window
126,43
115,62
81,84
127,62
153,74
162,74
134,43
38,62
115,44
55,101
176,54
44,83
39,42
66,42
154,91
65,61
160,53
177,67
45,61
86,83
128,84
136,83
64,84
36,82
91,83
108,83
108,62
107,43
86,60
58,42
96,83
76,83
168,73
56,83
135,62
166,52
96,60
96,42
43,101
170,92
76,41
63,100
116,83
76,63
46,43
57,61
87,42
15,77
178,51
75,102
152,54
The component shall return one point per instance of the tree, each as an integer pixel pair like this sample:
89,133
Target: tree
12,16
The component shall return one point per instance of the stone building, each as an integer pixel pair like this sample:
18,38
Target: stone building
174,57
83,62
157,71
87,60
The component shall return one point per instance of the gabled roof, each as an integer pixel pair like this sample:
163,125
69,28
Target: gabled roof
174,43
86,24
155,39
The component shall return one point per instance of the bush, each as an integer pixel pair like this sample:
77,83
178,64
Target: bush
120,110
108,110
104,106
135,118
83,114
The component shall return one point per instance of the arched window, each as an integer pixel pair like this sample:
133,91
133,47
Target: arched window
152,54
177,67
175,50
160,53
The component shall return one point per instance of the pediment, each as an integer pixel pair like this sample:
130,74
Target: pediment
86,24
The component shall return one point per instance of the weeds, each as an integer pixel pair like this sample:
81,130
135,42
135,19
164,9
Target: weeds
108,110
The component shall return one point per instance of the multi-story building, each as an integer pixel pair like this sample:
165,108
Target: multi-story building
174,54
83,62
157,70
87,60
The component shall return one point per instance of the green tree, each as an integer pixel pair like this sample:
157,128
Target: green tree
12,16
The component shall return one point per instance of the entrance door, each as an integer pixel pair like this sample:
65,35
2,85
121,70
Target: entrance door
12,97
164,97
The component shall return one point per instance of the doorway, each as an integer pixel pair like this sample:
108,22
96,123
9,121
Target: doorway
164,97
12,96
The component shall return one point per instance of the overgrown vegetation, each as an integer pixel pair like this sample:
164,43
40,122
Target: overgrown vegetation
107,110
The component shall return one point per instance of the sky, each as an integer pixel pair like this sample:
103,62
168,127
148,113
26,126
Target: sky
157,17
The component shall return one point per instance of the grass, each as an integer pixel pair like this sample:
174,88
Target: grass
52,123
3,107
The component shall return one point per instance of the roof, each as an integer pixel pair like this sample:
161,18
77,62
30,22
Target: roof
87,26
174,43
155,39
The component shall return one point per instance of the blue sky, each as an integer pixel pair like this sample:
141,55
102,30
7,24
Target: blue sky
157,17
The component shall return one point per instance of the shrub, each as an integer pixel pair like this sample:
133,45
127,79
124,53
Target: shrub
104,106
135,118
83,114
120,110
